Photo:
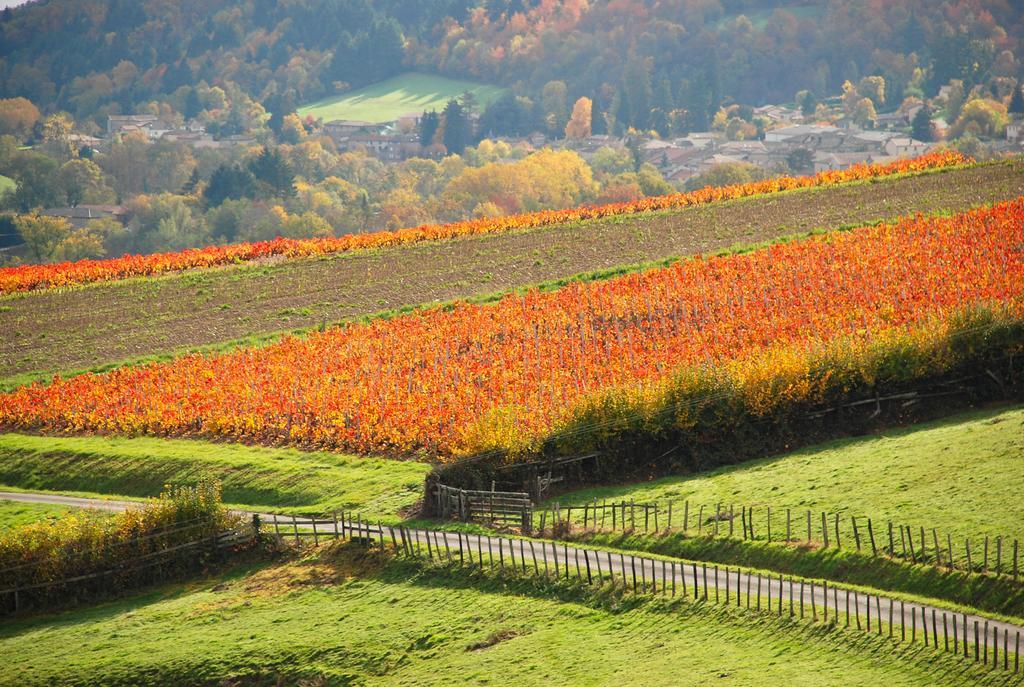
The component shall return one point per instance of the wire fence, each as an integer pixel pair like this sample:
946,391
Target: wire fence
989,555
984,641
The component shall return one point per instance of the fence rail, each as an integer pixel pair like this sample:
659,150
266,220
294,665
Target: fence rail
986,641
991,555
506,507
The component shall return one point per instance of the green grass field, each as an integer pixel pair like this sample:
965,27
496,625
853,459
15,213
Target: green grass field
354,619
962,475
388,100
283,480
16,514
6,184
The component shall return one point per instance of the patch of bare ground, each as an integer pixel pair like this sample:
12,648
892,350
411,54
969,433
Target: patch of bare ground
105,323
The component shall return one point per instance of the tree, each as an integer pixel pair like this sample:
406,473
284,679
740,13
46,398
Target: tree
800,160
873,87
1017,101
456,128
82,182
864,114
578,127
807,101
554,101
273,175
17,117
37,182
981,117
428,127
56,134
229,181
42,234
921,126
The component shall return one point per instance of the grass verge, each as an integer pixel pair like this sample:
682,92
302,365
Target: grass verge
16,514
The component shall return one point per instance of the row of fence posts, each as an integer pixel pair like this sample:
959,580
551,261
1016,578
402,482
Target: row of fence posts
708,583
991,555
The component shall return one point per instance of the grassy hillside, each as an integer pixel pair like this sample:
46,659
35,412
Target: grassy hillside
351,619
961,475
390,99
283,480
87,328
6,184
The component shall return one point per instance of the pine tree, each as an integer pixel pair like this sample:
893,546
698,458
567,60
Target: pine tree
456,128
428,127
921,127
1017,102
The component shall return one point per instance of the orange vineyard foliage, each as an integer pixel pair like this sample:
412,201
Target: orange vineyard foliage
449,382
29,277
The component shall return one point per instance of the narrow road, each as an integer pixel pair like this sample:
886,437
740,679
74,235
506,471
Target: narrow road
783,595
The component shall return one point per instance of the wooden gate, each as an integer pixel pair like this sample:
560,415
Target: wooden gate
505,507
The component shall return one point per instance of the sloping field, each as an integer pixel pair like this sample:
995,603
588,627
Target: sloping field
388,100
53,331
349,619
960,475
6,184
283,480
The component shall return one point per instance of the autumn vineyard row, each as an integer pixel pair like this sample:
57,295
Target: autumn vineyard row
31,277
471,379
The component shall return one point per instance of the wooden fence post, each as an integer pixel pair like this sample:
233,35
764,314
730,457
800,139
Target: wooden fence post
586,558
871,535
686,516
838,541
824,528
808,526
334,517
856,533
295,529
967,550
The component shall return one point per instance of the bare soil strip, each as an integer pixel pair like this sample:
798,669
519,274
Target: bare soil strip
53,331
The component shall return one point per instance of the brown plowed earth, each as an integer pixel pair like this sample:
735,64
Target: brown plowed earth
52,331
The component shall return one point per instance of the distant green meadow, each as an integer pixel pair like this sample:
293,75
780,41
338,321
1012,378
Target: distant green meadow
6,184
388,100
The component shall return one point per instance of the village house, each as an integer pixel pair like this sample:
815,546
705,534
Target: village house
80,215
151,125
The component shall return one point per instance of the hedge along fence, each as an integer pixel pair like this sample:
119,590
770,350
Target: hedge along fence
989,555
706,417
993,644
81,556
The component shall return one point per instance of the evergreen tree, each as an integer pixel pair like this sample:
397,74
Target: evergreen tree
273,174
428,127
229,181
456,128
193,106
921,127
1017,101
